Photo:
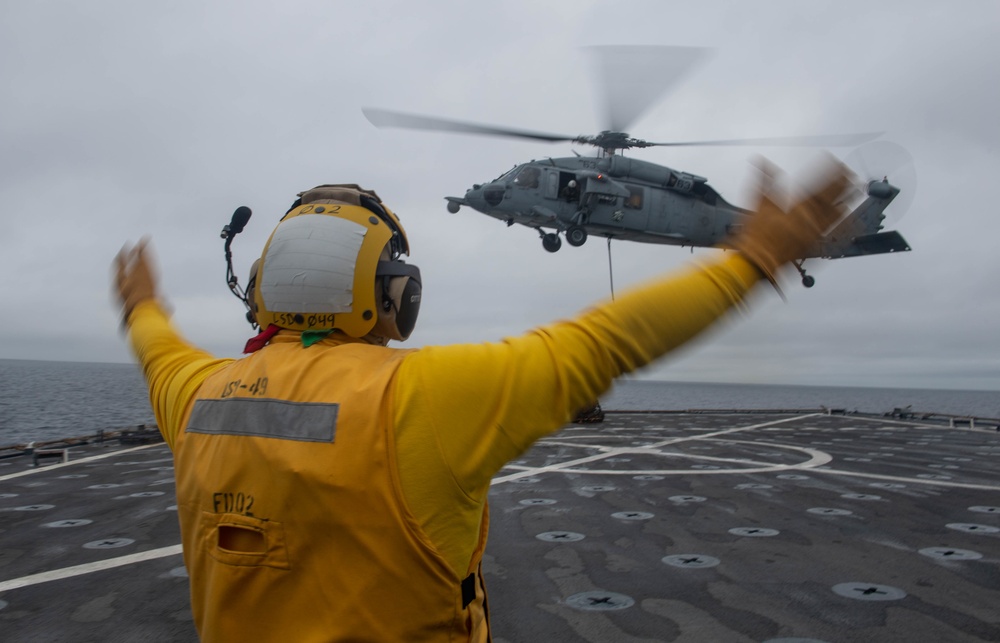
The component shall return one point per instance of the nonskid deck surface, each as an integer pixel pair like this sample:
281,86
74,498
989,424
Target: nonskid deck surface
646,527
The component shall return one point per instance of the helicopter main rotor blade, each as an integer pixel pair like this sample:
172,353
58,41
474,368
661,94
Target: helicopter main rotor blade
386,118
823,140
631,78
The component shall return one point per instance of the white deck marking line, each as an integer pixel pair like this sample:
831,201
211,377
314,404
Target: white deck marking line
52,467
936,483
612,451
88,568
702,436
817,458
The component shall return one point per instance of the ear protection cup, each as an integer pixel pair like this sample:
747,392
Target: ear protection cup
401,292
408,307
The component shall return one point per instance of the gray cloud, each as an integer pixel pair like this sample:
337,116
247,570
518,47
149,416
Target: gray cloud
120,119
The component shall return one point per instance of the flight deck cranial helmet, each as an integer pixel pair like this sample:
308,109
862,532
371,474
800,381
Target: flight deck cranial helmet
333,262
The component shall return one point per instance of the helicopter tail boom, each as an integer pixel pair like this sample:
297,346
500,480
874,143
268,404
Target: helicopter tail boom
860,232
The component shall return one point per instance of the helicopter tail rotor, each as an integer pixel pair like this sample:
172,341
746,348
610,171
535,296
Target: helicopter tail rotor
881,163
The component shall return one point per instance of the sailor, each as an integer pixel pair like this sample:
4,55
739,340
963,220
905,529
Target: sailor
332,488
571,192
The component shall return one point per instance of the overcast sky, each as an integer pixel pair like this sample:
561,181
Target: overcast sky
122,118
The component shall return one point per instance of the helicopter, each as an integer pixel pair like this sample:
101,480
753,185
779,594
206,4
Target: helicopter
625,198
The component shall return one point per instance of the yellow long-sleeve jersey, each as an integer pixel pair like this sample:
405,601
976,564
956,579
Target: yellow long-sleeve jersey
459,413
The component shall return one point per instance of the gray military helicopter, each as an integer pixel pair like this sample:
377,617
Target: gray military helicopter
629,199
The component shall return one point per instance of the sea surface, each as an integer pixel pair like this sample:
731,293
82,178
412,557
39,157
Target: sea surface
42,401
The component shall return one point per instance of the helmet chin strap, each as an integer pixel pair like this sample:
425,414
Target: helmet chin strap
375,340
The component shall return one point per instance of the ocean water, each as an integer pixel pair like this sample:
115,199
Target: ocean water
52,400
672,396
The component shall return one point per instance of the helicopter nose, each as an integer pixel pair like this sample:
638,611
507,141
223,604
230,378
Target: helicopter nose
474,197
486,196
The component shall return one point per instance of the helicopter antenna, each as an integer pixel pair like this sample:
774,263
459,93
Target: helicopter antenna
611,274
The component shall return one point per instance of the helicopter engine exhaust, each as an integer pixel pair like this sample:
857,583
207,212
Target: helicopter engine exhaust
629,168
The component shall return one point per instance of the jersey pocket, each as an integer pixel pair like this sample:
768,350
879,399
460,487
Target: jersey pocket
235,539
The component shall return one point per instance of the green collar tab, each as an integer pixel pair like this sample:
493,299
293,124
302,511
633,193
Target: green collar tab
310,337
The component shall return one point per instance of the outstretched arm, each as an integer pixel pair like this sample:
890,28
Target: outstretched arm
174,370
484,404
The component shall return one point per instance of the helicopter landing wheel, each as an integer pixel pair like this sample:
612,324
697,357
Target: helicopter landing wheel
807,280
454,207
551,242
576,236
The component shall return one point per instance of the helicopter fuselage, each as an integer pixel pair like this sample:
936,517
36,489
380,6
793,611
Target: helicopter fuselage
615,197
632,200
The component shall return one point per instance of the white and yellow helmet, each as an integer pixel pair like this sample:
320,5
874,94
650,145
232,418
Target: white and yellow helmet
333,262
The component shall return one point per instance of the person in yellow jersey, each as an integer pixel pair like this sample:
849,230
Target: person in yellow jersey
331,488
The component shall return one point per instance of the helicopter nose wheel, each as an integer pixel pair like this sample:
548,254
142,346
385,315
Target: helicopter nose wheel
807,280
576,236
551,241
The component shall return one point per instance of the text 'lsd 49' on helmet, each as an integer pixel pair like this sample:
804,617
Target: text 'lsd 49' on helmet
333,262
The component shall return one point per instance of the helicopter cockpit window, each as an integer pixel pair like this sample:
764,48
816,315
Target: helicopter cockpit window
634,199
527,177
506,176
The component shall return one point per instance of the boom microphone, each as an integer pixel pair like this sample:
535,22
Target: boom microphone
239,221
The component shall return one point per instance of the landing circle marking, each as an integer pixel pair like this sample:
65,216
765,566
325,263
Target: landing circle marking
683,499
600,601
78,522
869,592
829,511
560,536
691,561
632,515
537,501
108,543
973,528
754,532
947,553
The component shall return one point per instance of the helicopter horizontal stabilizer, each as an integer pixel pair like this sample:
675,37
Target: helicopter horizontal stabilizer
872,244
876,244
